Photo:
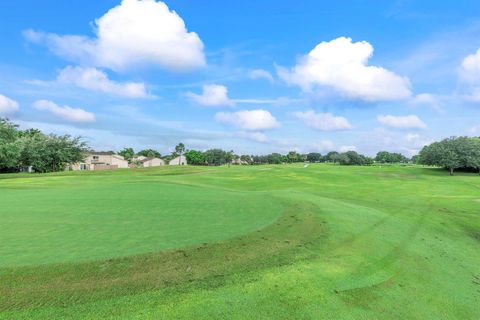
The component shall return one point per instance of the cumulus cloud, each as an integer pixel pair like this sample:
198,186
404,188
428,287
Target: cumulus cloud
402,122
134,33
96,80
249,119
470,76
7,105
470,68
261,74
323,121
213,95
343,65
64,112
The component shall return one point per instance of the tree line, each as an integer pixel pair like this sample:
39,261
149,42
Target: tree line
41,152
222,157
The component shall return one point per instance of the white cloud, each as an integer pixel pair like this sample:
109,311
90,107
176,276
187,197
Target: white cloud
213,95
64,112
427,99
342,65
249,119
470,76
261,74
96,80
7,105
470,68
134,33
347,148
254,135
402,122
323,121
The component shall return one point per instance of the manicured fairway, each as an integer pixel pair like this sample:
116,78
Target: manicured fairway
248,242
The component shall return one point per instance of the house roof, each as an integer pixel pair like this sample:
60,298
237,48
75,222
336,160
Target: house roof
148,159
101,153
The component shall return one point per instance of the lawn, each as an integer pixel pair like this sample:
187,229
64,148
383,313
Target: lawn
245,242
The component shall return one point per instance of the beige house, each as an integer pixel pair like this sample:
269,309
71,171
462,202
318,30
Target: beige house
147,162
181,160
101,161
239,162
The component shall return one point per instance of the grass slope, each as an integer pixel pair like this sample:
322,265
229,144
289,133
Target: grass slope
262,242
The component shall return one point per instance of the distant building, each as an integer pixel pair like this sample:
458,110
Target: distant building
147,162
239,161
181,160
100,161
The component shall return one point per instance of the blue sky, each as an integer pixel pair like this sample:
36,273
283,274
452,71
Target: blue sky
252,76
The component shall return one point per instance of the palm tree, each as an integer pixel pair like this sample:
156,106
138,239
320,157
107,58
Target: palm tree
180,149
229,157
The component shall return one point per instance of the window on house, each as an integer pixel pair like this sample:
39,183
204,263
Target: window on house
95,157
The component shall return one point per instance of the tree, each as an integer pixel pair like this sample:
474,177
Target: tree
10,148
387,157
45,153
149,153
353,158
8,131
215,157
468,150
229,157
128,154
314,157
332,156
195,157
180,149
452,153
10,155
49,153
292,156
29,133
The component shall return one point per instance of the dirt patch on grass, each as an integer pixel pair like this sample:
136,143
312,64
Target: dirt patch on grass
288,240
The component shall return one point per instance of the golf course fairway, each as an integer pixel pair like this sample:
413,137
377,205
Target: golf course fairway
241,242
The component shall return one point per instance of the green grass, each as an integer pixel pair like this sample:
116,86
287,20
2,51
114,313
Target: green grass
261,242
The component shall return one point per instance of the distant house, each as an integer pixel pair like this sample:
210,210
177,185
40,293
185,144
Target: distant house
181,160
100,161
239,161
147,162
